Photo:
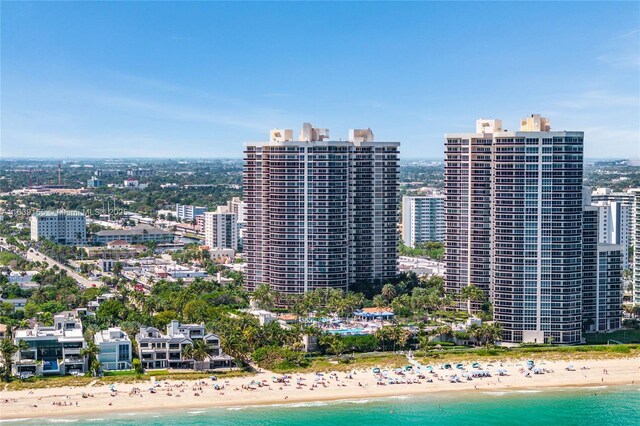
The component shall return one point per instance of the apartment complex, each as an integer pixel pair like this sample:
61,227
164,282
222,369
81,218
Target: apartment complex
61,226
53,350
422,219
136,235
615,219
158,350
320,213
188,213
467,206
636,245
601,277
221,228
513,212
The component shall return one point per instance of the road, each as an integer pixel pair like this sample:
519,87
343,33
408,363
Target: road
33,255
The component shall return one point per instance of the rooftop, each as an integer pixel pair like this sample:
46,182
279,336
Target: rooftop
136,230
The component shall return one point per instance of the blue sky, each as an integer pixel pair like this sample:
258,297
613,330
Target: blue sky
198,79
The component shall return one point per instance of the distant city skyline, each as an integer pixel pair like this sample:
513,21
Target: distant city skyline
197,80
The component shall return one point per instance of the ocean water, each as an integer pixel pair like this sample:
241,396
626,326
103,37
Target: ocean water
599,405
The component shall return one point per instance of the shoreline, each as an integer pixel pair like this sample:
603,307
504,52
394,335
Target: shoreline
179,395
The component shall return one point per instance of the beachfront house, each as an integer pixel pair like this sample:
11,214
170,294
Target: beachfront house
115,349
158,350
52,350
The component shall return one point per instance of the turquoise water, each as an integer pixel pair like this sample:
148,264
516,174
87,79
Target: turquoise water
560,406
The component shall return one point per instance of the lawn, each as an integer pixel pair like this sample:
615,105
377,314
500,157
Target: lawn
623,336
361,361
116,377
527,352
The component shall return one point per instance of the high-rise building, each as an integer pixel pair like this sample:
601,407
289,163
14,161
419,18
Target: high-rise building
513,215
237,206
60,226
609,295
221,228
636,245
422,219
188,213
320,213
589,266
601,277
467,206
616,219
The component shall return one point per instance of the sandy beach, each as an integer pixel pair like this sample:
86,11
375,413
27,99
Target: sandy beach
136,397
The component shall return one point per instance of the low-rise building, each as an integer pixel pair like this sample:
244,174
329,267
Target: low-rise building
137,235
52,350
115,349
158,350
188,213
18,303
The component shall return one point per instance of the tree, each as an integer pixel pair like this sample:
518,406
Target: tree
196,311
472,293
137,366
91,351
8,350
388,292
117,269
199,350
379,301
111,312
265,297
334,344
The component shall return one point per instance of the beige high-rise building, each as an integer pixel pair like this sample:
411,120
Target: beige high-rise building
320,213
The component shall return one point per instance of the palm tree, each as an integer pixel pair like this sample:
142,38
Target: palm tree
388,292
472,293
265,297
379,301
200,350
8,350
91,351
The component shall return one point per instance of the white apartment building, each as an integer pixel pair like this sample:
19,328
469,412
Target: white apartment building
61,226
221,228
188,213
115,349
422,219
53,350
615,225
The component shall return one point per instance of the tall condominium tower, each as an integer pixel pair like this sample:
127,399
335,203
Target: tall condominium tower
422,219
636,245
467,206
320,213
514,226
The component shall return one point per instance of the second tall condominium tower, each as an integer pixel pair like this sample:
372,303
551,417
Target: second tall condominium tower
320,213
513,213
